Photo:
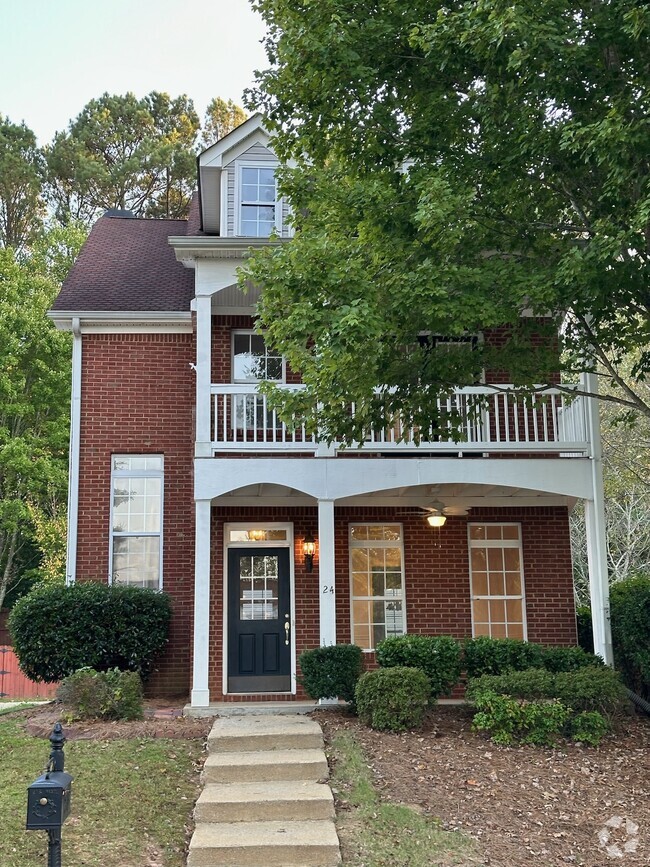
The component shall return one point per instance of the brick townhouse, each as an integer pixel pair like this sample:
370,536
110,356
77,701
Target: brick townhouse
268,541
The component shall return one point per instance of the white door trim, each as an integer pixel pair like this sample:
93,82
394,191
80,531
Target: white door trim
263,543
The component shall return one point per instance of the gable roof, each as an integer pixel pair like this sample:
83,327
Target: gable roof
127,264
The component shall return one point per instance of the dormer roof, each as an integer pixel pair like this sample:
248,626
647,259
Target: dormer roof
214,159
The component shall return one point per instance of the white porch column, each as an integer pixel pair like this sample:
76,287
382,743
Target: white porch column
200,664
326,573
203,375
596,534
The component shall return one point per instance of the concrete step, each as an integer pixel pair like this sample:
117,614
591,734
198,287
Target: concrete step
265,766
240,844
242,734
239,802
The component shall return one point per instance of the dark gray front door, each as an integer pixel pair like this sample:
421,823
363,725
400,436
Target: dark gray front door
259,620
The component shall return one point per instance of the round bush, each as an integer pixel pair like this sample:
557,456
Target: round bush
558,659
393,699
57,630
437,656
110,694
331,672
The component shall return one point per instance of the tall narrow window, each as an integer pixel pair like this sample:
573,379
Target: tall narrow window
497,580
377,574
136,520
258,201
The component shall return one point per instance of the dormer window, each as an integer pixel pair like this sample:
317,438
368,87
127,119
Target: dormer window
259,212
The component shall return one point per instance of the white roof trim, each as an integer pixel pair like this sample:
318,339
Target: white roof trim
121,321
214,155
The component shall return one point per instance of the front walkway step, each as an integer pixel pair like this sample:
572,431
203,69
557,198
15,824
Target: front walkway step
238,844
265,733
265,766
239,802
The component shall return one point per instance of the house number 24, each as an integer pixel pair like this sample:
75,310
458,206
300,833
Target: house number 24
328,588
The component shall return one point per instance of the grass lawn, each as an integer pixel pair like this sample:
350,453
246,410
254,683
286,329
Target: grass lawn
380,834
131,800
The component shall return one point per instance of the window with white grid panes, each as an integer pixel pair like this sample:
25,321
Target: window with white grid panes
497,580
258,201
258,587
377,583
136,520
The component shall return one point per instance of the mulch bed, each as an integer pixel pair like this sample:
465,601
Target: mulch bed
524,806
161,721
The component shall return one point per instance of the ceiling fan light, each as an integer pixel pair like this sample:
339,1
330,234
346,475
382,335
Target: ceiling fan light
435,519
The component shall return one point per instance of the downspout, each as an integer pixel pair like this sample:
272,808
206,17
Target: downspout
73,461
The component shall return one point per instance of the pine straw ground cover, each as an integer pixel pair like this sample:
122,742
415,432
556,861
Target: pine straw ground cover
135,785
521,806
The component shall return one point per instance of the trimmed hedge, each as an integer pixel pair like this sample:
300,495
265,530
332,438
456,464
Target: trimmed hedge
508,719
630,617
330,672
585,689
439,657
393,699
484,655
558,659
113,694
585,628
57,630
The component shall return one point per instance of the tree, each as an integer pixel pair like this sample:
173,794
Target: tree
221,117
21,178
34,404
456,165
124,152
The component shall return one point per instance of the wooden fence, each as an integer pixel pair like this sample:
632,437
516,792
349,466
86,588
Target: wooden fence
13,683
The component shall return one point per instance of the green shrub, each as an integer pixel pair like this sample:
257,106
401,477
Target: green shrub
393,699
57,630
569,659
437,656
328,672
592,689
630,617
484,655
534,683
585,631
588,727
113,694
509,719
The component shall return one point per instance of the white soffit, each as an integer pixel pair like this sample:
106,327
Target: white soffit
124,321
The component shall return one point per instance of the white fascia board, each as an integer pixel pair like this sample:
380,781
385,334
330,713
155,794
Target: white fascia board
214,155
339,478
188,249
123,321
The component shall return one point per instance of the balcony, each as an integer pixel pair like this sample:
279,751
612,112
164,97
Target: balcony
493,422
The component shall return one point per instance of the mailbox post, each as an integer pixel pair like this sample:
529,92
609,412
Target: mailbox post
48,799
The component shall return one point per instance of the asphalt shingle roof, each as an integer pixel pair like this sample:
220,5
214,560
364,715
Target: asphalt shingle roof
128,264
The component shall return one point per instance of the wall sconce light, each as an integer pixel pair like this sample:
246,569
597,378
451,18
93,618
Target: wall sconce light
309,549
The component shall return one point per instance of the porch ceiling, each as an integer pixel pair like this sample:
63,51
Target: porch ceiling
232,298
456,497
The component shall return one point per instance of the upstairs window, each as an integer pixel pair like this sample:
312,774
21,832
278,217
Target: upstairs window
259,207
253,360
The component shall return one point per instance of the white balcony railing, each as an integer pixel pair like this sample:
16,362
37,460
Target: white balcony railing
492,421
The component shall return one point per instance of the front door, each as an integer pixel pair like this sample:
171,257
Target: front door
259,620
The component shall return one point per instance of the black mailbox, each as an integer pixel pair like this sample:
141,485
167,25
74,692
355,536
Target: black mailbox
48,801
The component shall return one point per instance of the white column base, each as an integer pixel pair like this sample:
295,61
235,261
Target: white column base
200,698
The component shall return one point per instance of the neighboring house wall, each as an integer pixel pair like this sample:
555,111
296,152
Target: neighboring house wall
138,394
436,565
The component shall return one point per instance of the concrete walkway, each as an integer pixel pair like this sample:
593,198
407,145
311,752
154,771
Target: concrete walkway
266,799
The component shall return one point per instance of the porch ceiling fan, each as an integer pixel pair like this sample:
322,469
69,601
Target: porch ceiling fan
437,513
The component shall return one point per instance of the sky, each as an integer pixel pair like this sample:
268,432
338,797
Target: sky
57,55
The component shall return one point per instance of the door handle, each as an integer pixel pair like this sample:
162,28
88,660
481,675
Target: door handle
287,629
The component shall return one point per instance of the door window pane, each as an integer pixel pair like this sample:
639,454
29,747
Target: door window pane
258,587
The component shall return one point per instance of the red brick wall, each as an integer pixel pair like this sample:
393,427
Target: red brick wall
138,397
437,574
